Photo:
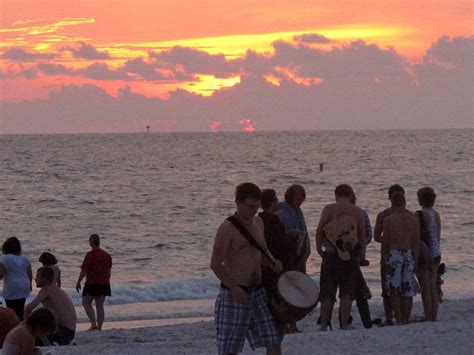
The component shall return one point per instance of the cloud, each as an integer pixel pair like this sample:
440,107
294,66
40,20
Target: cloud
312,38
87,51
21,55
194,61
361,86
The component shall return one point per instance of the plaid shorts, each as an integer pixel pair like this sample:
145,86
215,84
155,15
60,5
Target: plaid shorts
251,320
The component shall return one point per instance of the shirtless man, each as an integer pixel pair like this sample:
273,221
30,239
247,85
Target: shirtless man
335,271
55,299
242,304
378,237
399,254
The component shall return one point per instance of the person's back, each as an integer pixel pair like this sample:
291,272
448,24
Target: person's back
403,229
60,302
97,264
16,283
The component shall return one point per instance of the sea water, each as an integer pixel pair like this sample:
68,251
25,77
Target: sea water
156,200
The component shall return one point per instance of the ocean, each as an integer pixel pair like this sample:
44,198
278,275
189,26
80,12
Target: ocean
156,199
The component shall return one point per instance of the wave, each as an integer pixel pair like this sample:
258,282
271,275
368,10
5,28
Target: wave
195,289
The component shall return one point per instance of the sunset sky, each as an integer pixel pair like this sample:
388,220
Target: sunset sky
190,65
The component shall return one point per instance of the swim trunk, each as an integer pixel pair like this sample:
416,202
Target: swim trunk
62,336
338,273
399,276
252,320
95,290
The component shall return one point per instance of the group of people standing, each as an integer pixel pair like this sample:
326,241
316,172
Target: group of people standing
250,252
22,327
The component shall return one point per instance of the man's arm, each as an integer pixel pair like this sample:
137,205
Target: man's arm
416,242
378,229
2,271
320,232
438,222
30,276
36,301
386,239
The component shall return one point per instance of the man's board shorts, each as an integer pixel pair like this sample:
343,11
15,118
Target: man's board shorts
62,336
95,290
336,272
399,275
252,320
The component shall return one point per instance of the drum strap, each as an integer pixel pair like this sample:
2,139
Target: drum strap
244,231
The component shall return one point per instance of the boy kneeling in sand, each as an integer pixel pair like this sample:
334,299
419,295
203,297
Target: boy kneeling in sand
21,339
399,254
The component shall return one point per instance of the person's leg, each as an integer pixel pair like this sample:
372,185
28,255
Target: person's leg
87,304
326,312
434,293
396,307
364,312
423,278
274,350
387,303
406,305
99,305
17,306
346,305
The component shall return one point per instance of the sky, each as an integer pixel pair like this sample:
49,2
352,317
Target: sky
212,65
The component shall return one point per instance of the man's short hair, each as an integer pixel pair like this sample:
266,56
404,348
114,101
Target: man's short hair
46,272
426,196
398,199
268,196
344,190
94,239
395,188
247,189
294,190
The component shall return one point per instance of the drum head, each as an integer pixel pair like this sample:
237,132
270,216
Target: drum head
298,289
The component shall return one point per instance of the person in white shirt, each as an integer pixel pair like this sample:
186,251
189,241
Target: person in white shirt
15,270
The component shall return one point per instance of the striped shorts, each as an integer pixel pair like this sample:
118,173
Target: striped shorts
252,320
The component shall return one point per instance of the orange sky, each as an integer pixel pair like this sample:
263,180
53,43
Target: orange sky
130,29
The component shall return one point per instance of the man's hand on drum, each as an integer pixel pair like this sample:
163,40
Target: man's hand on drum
239,295
277,267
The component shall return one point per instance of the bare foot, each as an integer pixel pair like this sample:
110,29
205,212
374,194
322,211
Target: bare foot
92,328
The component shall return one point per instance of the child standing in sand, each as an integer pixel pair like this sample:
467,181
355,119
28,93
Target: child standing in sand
21,339
49,260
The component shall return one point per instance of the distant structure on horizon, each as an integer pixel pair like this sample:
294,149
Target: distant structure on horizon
147,129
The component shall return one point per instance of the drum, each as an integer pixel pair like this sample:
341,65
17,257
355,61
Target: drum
297,295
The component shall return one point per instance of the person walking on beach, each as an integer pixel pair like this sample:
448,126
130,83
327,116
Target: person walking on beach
15,270
399,253
96,268
57,300
427,271
242,304
378,237
339,240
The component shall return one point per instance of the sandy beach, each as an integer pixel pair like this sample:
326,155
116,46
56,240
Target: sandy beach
453,334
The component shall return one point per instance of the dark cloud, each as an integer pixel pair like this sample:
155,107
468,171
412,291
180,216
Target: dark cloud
21,55
87,51
312,38
362,87
195,61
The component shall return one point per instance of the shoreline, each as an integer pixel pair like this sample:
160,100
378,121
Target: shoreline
453,333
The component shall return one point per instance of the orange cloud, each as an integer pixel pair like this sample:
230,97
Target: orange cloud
248,125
